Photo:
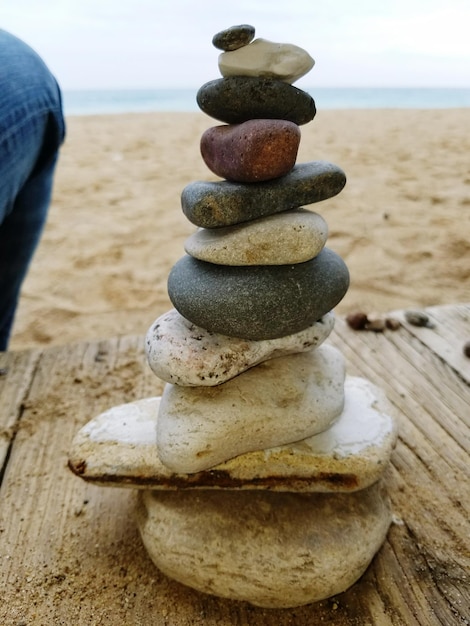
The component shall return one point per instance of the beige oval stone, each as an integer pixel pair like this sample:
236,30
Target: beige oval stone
281,239
277,402
270,549
267,59
182,353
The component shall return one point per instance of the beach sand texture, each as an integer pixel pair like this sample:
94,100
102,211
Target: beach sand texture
116,227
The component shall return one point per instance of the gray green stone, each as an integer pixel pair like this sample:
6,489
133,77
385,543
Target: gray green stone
234,37
236,99
257,302
224,203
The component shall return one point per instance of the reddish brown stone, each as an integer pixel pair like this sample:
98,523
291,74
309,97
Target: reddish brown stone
253,151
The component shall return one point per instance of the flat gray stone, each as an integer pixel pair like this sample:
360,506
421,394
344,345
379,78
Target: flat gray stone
276,402
270,549
181,353
224,203
118,447
236,99
282,61
261,301
286,238
234,37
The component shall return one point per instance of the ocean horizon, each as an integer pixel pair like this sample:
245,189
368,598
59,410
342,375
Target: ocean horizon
114,101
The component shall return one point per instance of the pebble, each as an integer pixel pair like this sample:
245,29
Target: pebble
181,353
276,402
260,301
236,99
253,151
283,239
418,318
357,320
282,61
117,448
224,203
273,550
392,323
376,325
234,37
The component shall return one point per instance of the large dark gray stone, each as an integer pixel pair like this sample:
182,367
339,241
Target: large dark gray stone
257,302
236,99
224,203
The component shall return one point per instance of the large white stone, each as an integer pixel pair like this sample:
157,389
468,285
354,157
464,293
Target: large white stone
270,549
182,353
267,59
118,448
281,239
277,402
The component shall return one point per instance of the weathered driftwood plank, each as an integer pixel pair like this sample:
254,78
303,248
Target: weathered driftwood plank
16,373
430,496
446,334
70,552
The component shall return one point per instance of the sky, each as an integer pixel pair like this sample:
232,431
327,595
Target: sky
119,44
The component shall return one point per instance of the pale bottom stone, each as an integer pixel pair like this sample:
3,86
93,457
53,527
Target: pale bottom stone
274,550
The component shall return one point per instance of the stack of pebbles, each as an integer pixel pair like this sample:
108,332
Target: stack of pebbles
256,272
267,486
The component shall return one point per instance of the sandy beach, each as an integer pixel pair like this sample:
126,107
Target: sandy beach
116,227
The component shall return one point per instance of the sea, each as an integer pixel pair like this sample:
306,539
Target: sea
97,102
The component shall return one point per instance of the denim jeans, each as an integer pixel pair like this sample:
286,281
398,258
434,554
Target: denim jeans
32,129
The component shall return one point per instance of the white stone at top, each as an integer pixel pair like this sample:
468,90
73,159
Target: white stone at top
282,61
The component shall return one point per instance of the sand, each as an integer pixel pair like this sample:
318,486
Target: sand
115,225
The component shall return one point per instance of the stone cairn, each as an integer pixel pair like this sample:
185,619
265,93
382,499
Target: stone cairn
265,480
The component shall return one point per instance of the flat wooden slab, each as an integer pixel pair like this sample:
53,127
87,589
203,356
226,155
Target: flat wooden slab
70,552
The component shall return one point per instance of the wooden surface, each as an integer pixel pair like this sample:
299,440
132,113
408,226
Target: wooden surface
70,552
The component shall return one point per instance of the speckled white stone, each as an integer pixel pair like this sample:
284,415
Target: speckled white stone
118,447
282,61
274,550
274,403
281,239
182,353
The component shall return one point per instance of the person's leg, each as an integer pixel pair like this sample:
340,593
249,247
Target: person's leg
31,131
19,236
27,168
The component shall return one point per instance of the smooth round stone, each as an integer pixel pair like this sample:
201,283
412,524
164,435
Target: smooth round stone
224,203
274,550
236,99
282,239
282,61
253,151
234,37
274,403
257,302
181,353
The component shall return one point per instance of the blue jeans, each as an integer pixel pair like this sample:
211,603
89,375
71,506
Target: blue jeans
32,129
